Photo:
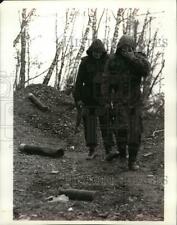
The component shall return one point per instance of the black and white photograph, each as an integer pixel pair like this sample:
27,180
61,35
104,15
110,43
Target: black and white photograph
86,131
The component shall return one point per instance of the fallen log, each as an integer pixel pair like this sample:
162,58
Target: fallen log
81,195
37,102
33,149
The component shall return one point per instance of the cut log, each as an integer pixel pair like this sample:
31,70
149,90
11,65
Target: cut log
32,149
37,102
81,195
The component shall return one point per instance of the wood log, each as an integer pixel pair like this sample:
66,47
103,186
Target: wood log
81,195
37,102
33,149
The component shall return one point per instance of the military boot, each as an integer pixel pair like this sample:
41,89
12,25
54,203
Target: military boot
91,154
110,155
122,150
132,164
122,155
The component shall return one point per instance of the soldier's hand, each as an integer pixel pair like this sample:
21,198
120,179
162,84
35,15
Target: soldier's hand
80,104
128,54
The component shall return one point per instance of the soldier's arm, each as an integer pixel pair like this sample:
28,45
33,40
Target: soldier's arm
79,82
140,63
105,85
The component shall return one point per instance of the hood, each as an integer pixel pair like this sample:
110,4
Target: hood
96,45
125,40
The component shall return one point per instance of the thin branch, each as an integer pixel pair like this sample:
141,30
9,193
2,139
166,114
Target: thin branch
155,79
100,20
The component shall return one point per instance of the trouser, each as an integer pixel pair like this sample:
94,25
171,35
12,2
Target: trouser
127,129
90,116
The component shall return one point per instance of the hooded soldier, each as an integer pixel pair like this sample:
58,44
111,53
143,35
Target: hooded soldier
122,87
87,95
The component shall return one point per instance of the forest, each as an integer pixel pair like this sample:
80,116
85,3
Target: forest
108,25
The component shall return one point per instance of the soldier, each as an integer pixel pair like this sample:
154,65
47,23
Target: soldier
87,95
122,80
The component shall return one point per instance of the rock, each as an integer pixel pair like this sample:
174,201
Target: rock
60,198
54,171
70,209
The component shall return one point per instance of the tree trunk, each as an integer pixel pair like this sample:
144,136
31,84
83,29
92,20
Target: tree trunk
72,19
116,31
81,50
51,68
94,29
56,41
17,70
28,57
59,48
23,52
107,30
140,42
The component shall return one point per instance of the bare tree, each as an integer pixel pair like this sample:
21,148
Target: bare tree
107,30
94,22
22,37
116,30
60,49
17,68
141,41
72,20
81,49
28,56
56,41
147,43
23,51
52,66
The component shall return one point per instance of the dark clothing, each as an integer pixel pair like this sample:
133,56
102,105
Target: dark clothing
90,126
123,76
122,86
88,82
88,90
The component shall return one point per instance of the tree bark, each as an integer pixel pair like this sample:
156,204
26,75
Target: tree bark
51,68
17,70
81,50
23,52
116,31
94,21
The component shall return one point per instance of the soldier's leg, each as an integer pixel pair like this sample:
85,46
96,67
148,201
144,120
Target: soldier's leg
121,129
121,141
90,126
107,134
135,129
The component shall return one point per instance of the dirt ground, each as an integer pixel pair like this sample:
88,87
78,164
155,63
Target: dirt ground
120,194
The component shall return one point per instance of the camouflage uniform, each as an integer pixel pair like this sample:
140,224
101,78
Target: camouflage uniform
122,86
88,90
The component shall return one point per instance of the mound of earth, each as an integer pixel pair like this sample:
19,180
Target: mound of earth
58,120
